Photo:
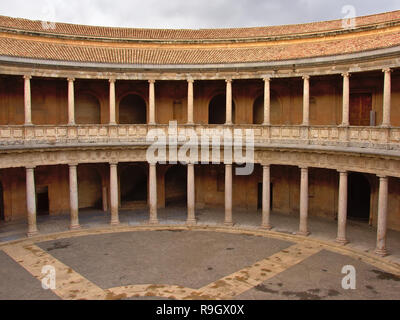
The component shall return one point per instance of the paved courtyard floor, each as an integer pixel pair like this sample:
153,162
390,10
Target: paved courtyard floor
209,261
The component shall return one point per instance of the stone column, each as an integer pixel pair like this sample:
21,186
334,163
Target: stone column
382,216
114,193
386,98
152,103
228,195
346,99
303,229
73,196
342,208
190,101
191,220
112,102
266,197
306,101
228,101
153,193
31,201
71,102
267,101
27,100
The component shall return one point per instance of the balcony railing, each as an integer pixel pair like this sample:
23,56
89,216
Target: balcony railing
61,135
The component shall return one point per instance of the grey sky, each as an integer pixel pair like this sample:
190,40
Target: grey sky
189,13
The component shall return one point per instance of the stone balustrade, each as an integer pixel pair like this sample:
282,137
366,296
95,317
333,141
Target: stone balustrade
335,136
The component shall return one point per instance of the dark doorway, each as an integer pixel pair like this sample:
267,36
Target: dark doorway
359,197
217,110
360,109
176,186
133,185
42,201
260,193
2,215
132,110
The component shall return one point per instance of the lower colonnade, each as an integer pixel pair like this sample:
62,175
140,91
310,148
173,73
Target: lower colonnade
303,230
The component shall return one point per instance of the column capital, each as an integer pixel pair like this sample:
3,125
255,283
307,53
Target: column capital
346,74
113,163
27,76
152,81
30,167
112,80
387,70
73,164
228,80
343,172
266,79
266,166
306,77
190,80
382,177
303,168
70,79
228,164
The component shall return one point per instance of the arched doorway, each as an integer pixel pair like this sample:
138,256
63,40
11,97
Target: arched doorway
133,186
132,110
2,215
359,197
87,109
176,186
217,110
89,187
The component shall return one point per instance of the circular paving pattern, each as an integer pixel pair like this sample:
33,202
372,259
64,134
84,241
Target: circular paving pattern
190,263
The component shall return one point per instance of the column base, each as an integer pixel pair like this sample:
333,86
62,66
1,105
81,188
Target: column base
342,241
303,233
266,226
75,227
191,222
228,224
153,221
31,234
381,252
114,222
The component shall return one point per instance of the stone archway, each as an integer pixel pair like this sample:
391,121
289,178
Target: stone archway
217,110
87,109
176,186
133,186
359,197
132,110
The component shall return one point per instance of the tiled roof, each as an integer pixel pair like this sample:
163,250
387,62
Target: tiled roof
190,34
53,48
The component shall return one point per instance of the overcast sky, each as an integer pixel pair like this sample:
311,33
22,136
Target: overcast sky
190,13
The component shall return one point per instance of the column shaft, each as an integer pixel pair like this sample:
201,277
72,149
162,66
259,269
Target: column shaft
266,197
31,202
114,193
342,208
152,107
382,216
153,193
303,229
190,102
267,101
112,102
27,100
228,101
387,98
73,197
346,99
228,195
71,102
191,195
306,101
